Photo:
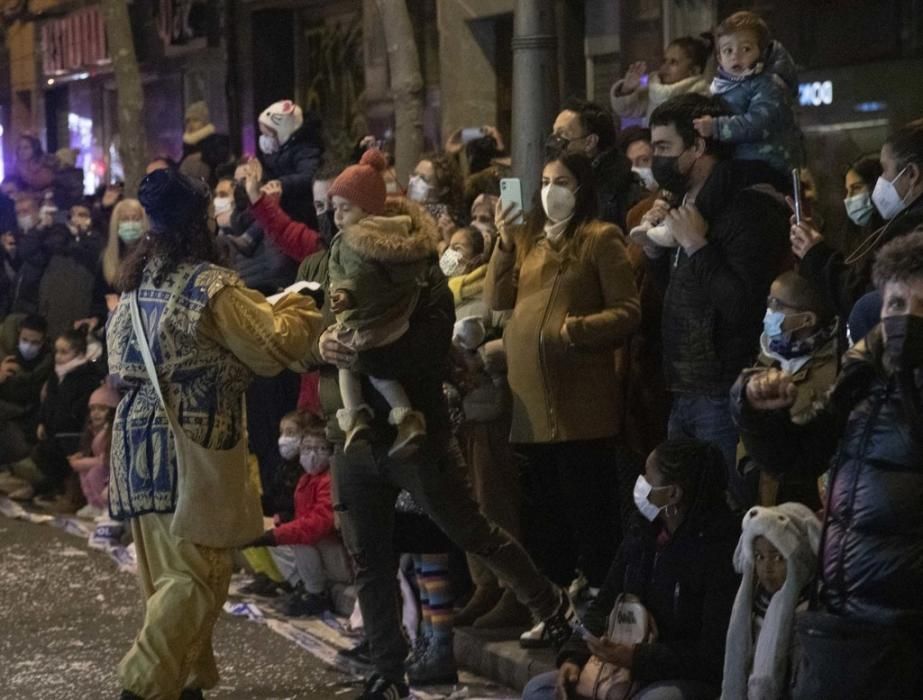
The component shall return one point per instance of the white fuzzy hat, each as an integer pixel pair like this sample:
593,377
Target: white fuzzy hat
794,530
284,118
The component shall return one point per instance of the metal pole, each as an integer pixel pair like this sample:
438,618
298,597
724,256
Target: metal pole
535,89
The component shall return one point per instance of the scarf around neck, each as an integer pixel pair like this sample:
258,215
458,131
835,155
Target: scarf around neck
191,138
66,368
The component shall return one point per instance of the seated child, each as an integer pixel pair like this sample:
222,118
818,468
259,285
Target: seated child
92,461
376,266
799,337
777,556
62,418
682,72
279,484
756,79
306,548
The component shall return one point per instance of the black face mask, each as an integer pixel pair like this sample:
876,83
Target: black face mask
555,146
665,170
904,340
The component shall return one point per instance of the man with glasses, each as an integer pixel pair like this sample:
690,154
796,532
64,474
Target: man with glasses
585,127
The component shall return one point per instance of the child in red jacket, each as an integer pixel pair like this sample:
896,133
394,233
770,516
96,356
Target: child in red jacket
307,549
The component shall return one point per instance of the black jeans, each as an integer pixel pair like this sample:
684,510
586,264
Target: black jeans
365,484
571,512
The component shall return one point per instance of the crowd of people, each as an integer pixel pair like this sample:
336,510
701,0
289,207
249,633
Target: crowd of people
676,431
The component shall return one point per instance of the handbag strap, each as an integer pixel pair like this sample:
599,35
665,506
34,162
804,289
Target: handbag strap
144,346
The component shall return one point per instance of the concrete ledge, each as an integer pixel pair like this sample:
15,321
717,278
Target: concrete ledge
496,655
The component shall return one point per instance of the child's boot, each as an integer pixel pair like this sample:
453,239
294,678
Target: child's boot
354,422
411,431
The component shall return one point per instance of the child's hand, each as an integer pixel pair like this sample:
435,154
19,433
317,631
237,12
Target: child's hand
254,172
705,126
40,432
341,300
276,520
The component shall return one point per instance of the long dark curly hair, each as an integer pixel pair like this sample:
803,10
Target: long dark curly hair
165,249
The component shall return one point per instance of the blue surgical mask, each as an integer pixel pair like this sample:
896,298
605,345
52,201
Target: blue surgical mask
130,231
859,208
772,323
29,351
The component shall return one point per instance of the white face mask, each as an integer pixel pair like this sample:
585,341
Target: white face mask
268,144
886,197
647,177
223,205
313,462
558,202
26,222
29,351
641,491
452,262
859,208
418,190
289,446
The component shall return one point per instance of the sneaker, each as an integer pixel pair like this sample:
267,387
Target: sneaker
357,654
24,493
578,587
303,604
89,512
436,667
9,482
380,688
264,587
507,613
411,432
554,631
484,599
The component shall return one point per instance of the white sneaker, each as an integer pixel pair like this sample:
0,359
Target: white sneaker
88,512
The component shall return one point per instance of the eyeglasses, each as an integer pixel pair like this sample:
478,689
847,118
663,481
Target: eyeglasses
776,304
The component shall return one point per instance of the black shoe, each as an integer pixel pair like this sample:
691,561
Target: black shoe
558,629
264,587
128,695
192,694
379,688
358,654
303,604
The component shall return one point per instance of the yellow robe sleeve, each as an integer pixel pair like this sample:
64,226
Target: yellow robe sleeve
267,338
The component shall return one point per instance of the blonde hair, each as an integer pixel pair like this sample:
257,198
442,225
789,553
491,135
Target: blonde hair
115,248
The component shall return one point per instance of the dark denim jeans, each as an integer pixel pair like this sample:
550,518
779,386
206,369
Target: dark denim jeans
365,484
708,418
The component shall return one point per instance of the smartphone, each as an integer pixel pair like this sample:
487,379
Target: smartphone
796,190
511,193
472,133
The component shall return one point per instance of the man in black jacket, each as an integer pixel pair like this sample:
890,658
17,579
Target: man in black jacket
585,127
864,640
731,238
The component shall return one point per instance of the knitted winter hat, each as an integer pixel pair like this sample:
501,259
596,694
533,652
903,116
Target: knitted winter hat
284,118
865,315
363,184
794,530
172,199
105,396
198,110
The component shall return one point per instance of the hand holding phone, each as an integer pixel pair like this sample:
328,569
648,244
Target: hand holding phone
511,194
796,191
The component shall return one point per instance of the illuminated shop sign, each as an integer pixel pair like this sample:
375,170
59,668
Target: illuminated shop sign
815,94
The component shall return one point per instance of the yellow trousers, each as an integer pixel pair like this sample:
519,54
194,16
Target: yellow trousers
184,587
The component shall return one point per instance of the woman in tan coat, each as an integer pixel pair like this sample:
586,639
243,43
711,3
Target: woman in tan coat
567,278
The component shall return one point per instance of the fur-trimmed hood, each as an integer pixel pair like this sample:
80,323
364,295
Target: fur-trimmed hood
404,233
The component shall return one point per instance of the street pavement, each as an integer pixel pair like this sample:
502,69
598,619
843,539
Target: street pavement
67,615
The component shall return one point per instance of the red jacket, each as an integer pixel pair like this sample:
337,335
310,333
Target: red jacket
313,512
294,238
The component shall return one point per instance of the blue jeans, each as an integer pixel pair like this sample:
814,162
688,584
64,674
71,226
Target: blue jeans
542,687
708,418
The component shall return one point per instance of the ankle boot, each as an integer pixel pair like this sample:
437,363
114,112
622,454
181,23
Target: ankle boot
437,665
482,602
354,422
411,431
508,612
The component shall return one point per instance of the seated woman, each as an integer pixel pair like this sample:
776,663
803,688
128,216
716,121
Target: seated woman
676,558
